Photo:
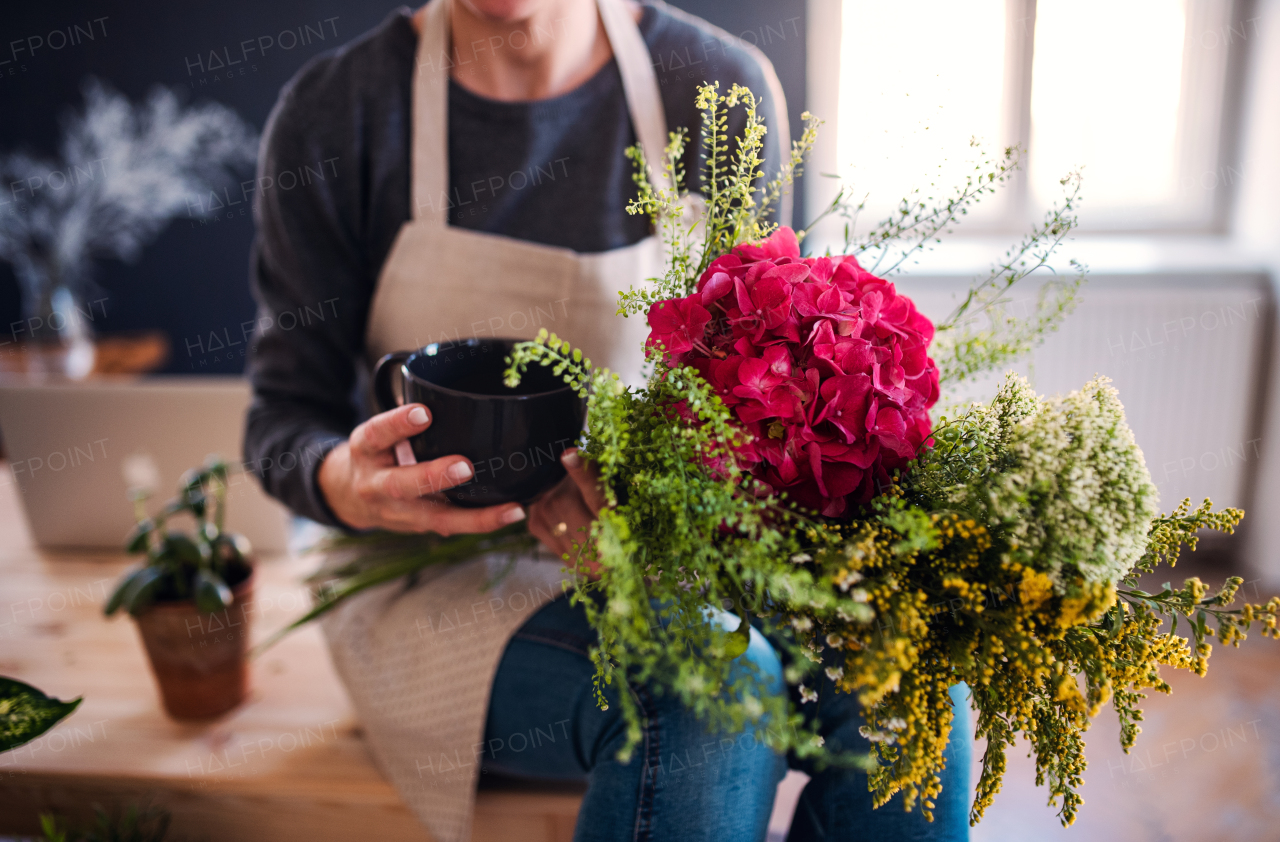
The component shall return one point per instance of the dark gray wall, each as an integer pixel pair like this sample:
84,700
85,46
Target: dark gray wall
777,27
193,278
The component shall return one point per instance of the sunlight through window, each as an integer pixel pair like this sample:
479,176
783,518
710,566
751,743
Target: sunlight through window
1105,94
916,83
1132,93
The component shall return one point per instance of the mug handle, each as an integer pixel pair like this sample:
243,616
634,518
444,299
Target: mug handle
382,374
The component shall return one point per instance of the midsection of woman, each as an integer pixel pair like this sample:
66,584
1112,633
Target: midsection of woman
452,182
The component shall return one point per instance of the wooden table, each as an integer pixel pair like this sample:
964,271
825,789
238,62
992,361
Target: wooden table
290,764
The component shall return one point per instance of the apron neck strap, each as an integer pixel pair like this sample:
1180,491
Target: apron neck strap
430,154
639,84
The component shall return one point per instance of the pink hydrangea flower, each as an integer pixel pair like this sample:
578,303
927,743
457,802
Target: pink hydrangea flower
823,363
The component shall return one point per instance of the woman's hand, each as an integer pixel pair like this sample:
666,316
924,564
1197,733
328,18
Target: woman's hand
366,488
562,516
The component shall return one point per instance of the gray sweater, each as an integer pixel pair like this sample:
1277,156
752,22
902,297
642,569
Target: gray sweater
333,191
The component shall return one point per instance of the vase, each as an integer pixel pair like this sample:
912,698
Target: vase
55,314
199,660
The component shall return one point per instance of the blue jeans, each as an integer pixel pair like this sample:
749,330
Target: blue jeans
683,783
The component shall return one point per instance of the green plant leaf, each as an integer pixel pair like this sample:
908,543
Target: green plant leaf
186,550
191,494
117,597
198,504
192,480
384,557
142,590
737,641
212,594
26,713
136,540
49,827
1115,620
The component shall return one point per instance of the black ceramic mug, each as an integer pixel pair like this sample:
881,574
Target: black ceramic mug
513,437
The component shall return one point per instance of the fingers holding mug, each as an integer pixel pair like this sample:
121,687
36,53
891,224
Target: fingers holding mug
435,513
424,479
443,519
381,432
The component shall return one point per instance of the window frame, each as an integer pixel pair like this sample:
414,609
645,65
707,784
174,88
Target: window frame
1213,117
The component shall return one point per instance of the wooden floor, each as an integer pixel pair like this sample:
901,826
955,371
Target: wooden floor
291,764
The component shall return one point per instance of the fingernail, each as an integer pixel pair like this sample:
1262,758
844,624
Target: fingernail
460,471
513,515
570,458
418,416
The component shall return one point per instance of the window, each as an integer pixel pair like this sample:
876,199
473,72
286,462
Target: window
1131,92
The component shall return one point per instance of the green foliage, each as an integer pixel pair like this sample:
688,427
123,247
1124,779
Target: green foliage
737,210
981,334
26,713
685,529
1169,533
359,562
986,566
991,562
133,824
920,218
1005,557
177,565
50,827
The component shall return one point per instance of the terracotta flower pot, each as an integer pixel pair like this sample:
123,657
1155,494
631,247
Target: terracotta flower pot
199,660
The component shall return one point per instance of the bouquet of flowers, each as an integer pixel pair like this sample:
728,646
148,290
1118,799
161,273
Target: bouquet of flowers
781,464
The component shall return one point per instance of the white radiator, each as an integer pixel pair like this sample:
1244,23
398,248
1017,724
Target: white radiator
1188,354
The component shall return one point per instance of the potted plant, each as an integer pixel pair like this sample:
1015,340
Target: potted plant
190,597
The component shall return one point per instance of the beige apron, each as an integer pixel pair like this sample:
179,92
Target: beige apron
419,661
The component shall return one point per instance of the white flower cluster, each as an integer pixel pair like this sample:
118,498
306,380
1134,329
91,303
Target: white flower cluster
1071,488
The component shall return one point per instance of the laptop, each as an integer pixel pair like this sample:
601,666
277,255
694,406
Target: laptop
74,450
